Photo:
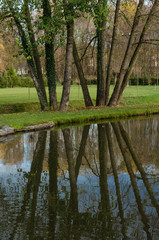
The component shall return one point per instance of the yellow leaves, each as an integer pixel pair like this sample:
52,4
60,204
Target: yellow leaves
1,47
129,8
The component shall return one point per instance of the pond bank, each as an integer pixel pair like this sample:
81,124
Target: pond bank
20,121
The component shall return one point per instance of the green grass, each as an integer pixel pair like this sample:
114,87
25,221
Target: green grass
21,120
132,94
136,101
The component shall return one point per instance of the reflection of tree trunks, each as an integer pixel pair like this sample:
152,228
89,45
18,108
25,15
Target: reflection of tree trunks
105,201
114,167
82,149
73,197
33,181
139,166
126,157
53,163
40,158
71,169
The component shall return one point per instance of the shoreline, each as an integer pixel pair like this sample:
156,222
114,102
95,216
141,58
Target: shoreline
36,121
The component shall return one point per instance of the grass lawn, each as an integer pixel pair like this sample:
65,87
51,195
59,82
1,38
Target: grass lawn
132,95
137,100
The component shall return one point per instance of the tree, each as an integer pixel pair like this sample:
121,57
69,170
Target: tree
68,8
126,69
49,54
21,16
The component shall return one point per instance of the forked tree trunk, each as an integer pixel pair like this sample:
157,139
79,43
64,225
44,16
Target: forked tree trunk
123,68
118,91
34,47
86,95
108,79
30,61
68,67
49,57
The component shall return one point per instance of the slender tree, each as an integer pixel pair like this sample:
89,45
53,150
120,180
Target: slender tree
101,36
49,54
69,56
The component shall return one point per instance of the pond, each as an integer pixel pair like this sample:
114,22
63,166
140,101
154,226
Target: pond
97,181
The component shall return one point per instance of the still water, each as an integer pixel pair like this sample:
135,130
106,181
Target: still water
93,182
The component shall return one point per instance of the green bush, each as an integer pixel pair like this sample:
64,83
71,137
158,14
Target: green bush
91,81
142,81
154,81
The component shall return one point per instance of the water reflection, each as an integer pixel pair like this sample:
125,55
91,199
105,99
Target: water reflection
83,183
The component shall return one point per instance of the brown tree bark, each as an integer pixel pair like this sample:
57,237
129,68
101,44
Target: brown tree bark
86,95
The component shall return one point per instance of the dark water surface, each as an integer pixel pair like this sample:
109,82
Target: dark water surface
92,182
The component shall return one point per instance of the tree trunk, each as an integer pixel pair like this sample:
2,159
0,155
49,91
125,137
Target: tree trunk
49,57
108,79
34,77
114,97
100,99
86,95
51,74
68,67
34,48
